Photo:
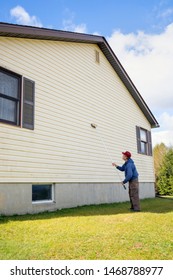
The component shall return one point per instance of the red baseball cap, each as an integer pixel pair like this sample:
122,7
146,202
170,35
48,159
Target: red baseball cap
127,154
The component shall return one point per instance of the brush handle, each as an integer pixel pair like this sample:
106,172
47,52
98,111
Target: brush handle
107,152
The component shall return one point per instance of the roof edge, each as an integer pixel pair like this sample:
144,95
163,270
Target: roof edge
26,31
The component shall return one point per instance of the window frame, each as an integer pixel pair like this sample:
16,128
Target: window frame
17,100
25,102
42,201
146,143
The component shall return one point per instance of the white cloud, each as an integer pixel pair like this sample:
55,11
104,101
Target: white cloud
164,135
69,25
22,17
81,28
166,120
166,13
147,58
148,61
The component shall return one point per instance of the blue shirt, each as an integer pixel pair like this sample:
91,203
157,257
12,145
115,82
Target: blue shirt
131,172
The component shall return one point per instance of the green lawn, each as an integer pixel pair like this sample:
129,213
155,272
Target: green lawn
108,232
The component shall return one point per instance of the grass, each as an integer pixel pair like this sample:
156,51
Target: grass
102,232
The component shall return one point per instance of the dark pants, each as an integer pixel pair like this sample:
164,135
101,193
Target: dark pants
134,194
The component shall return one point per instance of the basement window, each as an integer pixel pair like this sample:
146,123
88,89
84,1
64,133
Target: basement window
42,193
144,145
16,99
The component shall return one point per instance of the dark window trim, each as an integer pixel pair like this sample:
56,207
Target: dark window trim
17,100
148,141
25,112
28,122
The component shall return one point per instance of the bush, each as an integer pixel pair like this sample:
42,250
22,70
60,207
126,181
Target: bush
165,175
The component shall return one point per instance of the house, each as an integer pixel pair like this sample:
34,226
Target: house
53,86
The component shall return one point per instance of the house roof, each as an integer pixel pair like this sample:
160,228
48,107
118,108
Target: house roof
21,31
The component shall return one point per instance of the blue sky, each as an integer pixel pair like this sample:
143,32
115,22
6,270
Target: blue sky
139,31
101,16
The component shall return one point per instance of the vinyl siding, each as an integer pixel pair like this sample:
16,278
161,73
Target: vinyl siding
71,92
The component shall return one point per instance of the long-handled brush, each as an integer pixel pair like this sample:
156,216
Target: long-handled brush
107,152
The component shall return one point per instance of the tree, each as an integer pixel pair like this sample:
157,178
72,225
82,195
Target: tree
159,152
165,174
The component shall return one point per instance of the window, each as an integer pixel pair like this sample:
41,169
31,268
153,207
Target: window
9,97
16,99
42,193
143,136
144,144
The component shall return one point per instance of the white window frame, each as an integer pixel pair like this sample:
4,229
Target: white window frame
52,200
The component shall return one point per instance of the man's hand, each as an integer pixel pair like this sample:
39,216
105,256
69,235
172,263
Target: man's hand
114,164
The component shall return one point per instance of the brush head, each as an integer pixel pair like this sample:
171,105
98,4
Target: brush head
93,125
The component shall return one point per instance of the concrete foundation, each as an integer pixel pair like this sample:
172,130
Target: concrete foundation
17,198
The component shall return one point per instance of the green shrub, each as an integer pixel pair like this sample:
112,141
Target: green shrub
165,175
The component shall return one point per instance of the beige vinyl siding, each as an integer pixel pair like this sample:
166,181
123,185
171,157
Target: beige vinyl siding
72,91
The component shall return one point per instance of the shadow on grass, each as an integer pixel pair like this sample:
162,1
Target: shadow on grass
154,205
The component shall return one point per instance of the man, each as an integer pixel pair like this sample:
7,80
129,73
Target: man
131,176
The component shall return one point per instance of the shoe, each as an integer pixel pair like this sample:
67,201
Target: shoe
135,210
